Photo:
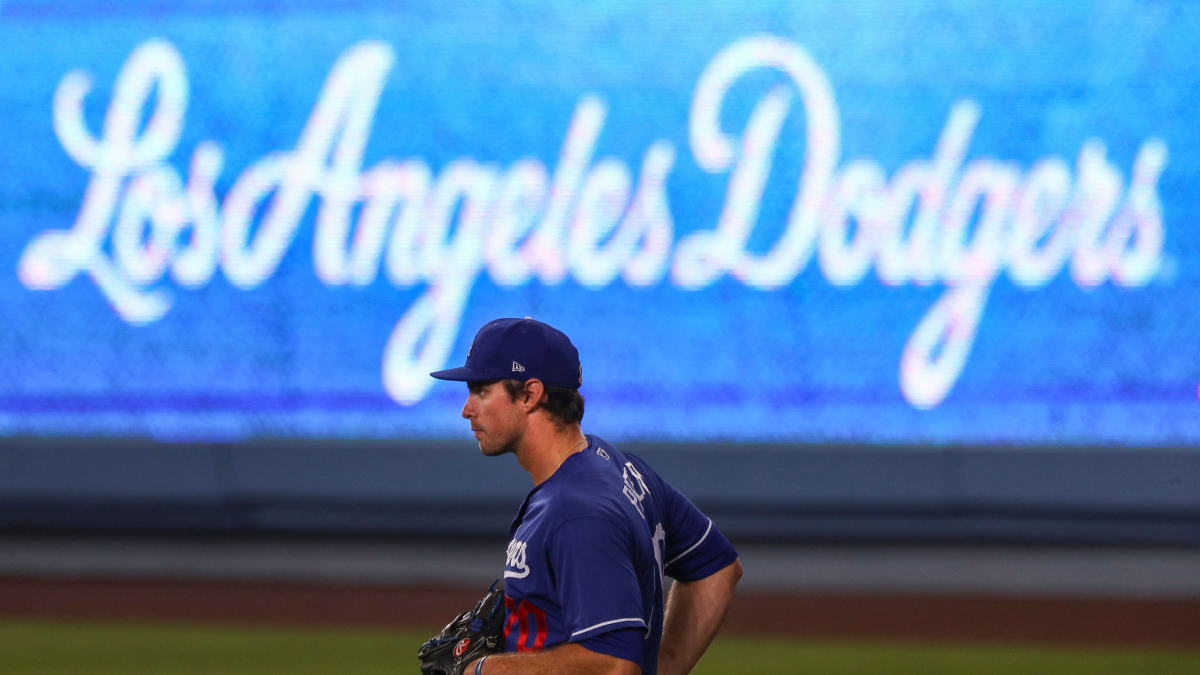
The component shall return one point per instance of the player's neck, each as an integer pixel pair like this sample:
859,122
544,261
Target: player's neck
546,447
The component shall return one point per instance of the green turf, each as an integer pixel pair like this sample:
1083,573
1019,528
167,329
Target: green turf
28,648
763,657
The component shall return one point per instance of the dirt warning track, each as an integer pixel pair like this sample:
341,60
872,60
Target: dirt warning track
1065,621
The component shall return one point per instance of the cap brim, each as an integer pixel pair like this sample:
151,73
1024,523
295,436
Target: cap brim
463,374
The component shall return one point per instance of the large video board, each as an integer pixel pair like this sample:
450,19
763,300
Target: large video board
946,222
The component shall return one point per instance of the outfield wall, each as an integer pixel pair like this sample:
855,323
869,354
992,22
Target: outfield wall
754,492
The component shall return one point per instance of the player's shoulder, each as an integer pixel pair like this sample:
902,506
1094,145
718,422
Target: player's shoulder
619,461
589,484
622,460
610,453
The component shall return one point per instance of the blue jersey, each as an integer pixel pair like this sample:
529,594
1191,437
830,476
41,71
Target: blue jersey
589,549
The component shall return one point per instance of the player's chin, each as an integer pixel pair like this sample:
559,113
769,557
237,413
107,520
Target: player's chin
490,450
490,447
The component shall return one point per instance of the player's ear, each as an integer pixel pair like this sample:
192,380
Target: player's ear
534,389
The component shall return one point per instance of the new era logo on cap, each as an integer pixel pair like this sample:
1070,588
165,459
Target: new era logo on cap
518,368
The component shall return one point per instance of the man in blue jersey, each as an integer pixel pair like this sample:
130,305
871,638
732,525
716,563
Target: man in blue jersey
592,542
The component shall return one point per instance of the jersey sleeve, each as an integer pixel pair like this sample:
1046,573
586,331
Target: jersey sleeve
621,643
597,586
695,549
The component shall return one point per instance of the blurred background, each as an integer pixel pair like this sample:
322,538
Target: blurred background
905,296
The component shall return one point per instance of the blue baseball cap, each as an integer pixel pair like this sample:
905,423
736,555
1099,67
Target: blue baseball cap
519,349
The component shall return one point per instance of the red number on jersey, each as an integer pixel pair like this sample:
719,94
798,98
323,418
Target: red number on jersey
519,615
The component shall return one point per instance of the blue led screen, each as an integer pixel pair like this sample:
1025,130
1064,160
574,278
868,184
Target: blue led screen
942,222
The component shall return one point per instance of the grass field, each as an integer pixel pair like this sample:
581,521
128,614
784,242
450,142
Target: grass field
28,648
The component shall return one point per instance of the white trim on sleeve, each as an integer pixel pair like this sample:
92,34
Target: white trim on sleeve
609,623
693,546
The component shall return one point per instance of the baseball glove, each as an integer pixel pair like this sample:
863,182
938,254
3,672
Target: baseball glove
469,636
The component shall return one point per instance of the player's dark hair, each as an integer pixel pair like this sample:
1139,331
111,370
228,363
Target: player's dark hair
564,404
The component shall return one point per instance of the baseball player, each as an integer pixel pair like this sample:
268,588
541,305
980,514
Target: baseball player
590,545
